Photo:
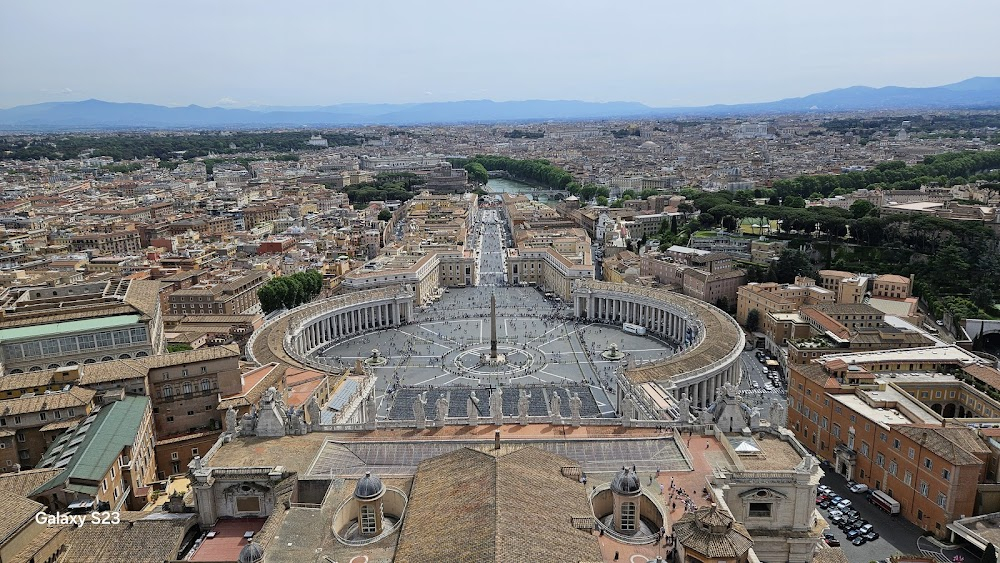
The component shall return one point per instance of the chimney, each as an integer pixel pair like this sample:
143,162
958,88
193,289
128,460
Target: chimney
496,440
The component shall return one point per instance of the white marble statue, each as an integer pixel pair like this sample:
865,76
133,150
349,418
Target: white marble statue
418,409
441,406
472,408
496,406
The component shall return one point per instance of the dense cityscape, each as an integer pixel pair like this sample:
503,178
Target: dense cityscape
704,338
452,282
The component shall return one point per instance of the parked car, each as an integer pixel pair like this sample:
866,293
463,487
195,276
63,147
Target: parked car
823,489
825,504
836,499
843,504
859,488
871,536
851,534
860,540
866,528
834,512
833,542
851,483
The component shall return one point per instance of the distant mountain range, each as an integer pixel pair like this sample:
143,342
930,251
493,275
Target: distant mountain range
980,92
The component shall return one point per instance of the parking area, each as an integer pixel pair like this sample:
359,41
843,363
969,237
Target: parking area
896,535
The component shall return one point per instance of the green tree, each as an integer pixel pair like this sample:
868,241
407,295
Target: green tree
477,173
861,208
602,201
791,263
753,320
794,201
384,215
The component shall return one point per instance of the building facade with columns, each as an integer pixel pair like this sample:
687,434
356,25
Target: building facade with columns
707,342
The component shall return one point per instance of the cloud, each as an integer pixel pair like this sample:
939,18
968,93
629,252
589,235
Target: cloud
228,102
57,91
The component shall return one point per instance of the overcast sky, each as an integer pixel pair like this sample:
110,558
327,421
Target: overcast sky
659,52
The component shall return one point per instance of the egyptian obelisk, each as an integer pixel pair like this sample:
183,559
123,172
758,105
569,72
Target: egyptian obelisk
493,326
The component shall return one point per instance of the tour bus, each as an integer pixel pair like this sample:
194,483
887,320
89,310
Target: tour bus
884,501
634,329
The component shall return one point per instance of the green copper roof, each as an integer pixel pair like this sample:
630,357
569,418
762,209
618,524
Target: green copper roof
97,445
67,327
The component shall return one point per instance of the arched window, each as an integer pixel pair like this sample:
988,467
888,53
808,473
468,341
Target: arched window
35,368
367,519
90,361
206,385
15,370
53,366
141,354
628,516
123,356
168,392
107,358
187,388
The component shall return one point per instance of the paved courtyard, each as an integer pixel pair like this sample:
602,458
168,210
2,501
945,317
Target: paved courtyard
447,344
447,341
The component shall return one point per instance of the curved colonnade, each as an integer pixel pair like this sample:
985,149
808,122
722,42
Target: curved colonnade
296,335
709,341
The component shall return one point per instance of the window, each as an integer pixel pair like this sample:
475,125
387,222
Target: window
908,478
174,456
41,416
72,412
194,451
882,436
836,430
942,500
368,519
895,443
924,488
945,474
58,415
864,449
854,418
170,419
892,467
187,388
760,510
826,423
927,462
17,420
204,369
20,437
168,392
879,460
206,385
184,373
911,453
628,516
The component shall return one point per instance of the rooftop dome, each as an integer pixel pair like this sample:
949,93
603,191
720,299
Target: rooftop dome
649,145
626,482
251,553
368,487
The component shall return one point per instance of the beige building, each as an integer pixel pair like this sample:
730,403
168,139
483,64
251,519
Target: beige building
236,295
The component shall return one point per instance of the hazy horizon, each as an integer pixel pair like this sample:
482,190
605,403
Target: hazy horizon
305,53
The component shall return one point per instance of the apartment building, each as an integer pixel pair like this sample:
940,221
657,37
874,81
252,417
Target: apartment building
896,422
779,298
113,243
234,295
31,421
185,390
708,276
